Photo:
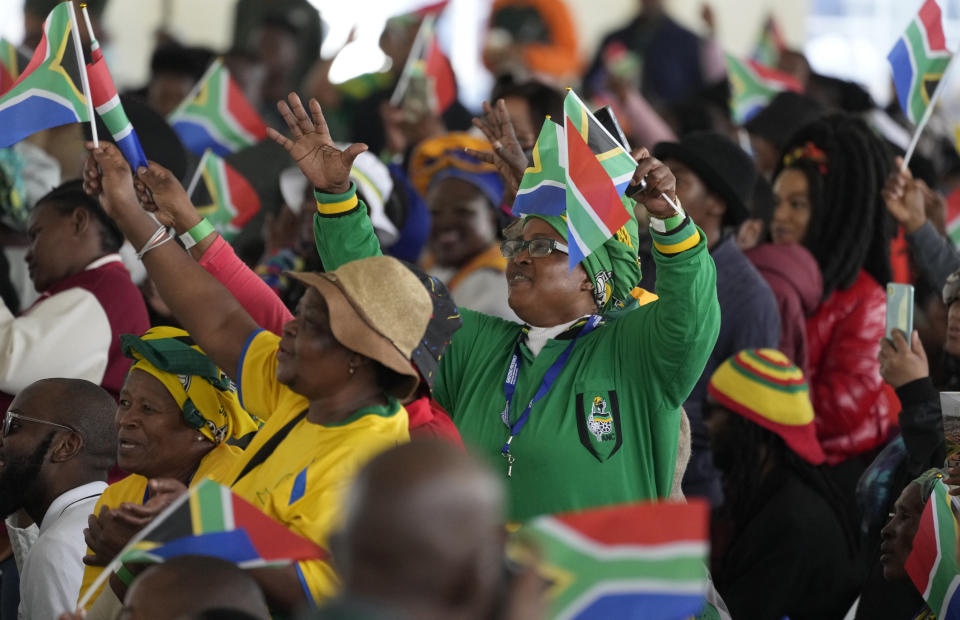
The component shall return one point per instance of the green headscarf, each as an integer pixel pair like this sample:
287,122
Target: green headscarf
614,267
927,480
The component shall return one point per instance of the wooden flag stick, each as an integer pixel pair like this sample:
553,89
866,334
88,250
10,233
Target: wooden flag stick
197,174
926,116
419,44
83,74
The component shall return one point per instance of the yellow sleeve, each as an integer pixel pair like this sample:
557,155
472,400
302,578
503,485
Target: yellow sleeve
259,391
130,489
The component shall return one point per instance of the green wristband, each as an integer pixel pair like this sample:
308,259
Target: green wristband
124,575
197,234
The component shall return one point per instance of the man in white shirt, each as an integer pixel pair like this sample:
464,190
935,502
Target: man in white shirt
58,442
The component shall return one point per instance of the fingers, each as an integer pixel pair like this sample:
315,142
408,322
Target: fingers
319,123
159,486
899,341
300,114
505,123
351,153
484,156
279,138
289,119
887,350
916,346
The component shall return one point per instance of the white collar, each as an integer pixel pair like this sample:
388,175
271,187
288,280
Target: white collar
103,260
64,501
537,336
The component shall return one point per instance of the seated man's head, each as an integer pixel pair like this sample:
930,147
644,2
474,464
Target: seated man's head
423,533
175,406
68,230
56,436
715,179
897,535
192,586
463,195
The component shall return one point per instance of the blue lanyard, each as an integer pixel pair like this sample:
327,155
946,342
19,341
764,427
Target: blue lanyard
510,387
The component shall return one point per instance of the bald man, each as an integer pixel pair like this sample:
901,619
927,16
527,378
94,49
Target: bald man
57,444
194,586
422,537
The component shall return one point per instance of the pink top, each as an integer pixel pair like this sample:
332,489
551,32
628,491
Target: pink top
254,295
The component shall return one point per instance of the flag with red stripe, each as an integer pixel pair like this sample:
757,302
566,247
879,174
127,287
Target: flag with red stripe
612,562
597,171
223,196
106,101
932,563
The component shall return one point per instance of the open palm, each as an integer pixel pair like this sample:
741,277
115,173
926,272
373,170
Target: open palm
312,147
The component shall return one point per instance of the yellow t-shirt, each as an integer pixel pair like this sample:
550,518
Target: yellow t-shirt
300,483
216,465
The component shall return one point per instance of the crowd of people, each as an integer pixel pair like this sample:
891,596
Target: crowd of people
391,362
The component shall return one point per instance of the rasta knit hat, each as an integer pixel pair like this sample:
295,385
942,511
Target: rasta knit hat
763,386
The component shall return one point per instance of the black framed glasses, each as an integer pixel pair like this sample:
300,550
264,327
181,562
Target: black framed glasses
536,248
11,416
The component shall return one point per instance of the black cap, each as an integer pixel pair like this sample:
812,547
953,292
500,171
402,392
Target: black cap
720,164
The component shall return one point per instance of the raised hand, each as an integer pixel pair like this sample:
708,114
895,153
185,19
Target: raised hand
161,193
312,147
508,155
904,199
107,176
902,362
659,180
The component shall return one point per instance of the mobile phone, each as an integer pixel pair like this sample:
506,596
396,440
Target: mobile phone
899,309
608,119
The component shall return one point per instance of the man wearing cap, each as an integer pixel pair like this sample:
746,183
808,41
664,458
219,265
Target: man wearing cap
715,180
781,545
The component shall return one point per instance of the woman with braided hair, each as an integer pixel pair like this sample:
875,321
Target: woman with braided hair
828,198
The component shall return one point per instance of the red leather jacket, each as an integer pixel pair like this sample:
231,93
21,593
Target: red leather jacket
854,407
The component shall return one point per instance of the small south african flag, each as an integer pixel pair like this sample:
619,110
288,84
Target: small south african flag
919,59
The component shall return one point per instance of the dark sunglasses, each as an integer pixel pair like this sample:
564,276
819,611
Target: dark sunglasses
11,416
536,248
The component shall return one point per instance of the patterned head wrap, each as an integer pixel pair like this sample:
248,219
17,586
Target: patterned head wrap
614,267
206,396
443,157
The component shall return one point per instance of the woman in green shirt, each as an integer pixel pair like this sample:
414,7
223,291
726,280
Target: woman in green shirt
594,382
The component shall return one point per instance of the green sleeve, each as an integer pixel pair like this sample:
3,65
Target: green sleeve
671,339
342,229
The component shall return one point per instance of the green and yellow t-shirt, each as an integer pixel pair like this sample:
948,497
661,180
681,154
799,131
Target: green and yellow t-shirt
300,482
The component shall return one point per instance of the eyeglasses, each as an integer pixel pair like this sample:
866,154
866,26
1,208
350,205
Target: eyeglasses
536,248
11,416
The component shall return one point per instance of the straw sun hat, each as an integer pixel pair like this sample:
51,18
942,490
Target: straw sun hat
379,309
